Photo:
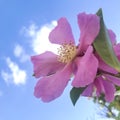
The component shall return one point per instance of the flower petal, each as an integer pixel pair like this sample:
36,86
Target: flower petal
99,85
115,80
86,69
106,87
51,87
62,33
88,91
112,37
109,90
105,67
46,64
89,25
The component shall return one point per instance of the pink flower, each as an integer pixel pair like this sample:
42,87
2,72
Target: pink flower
55,71
106,78
104,84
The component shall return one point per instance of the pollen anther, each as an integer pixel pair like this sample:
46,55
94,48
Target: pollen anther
66,52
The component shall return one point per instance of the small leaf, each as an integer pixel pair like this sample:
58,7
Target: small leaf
103,45
75,94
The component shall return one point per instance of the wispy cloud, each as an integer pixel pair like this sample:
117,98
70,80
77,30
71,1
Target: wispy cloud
16,75
40,42
20,53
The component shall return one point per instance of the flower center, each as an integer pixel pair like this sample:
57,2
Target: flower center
67,52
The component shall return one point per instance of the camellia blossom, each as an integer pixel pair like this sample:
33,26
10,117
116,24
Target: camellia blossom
54,71
106,78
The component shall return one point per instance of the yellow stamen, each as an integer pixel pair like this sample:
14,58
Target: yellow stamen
67,52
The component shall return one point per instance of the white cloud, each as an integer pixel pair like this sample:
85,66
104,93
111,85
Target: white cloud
20,53
40,42
16,75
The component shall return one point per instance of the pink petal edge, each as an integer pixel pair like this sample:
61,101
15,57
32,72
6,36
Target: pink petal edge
86,69
62,33
46,64
89,25
51,87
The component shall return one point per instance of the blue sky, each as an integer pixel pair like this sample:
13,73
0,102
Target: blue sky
23,24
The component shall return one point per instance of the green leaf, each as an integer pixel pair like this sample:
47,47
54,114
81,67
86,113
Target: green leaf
103,45
75,94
